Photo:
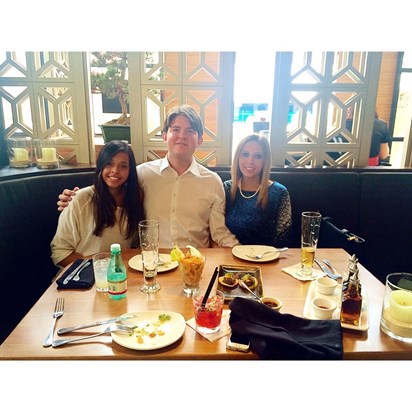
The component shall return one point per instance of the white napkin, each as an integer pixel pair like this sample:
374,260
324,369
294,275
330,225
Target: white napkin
224,327
293,271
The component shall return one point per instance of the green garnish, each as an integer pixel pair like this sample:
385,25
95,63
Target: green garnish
164,317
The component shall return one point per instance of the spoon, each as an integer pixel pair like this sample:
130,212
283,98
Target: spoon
243,285
269,251
112,328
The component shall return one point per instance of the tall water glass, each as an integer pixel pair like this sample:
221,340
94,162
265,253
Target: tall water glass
149,245
309,240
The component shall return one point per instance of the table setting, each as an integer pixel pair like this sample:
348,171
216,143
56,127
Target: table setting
90,306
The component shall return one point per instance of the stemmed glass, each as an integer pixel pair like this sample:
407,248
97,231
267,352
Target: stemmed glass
149,245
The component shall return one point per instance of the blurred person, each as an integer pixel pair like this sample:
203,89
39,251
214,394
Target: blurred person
258,210
106,212
379,149
185,197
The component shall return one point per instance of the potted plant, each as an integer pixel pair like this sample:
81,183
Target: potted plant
109,77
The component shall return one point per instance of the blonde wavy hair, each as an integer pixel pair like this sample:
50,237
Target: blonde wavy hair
237,175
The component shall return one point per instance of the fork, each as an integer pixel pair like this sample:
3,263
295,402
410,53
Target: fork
112,328
58,312
268,251
79,269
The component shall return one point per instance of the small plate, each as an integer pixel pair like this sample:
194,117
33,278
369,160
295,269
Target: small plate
242,252
148,323
136,263
238,291
308,311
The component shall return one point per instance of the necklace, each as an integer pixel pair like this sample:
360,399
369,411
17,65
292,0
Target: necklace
248,197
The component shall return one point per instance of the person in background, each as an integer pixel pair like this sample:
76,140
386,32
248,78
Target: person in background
380,142
107,212
379,150
258,211
185,197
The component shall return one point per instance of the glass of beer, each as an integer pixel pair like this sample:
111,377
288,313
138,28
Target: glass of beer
309,240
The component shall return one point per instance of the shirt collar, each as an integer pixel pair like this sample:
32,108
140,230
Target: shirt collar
193,168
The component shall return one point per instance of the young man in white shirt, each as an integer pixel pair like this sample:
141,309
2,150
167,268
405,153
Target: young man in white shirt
185,197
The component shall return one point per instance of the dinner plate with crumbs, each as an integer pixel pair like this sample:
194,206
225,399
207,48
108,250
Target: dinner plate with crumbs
246,252
154,329
165,263
238,273
308,311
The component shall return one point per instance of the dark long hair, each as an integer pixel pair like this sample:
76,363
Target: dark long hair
104,205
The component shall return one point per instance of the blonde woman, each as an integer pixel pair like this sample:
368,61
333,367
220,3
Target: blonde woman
258,211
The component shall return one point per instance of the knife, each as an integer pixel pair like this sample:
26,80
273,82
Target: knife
325,269
98,323
77,270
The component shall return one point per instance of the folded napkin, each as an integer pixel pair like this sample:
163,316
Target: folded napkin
293,271
86,277
224,327
276,336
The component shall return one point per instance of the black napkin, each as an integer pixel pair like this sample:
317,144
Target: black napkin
278,336
86,277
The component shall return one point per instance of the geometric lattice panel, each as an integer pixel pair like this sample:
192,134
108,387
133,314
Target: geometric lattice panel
326,95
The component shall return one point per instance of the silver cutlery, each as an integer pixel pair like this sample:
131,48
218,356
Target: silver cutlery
335,272
326,270
112,328
75,272
243,285
77,277
58,312
259,256
91,325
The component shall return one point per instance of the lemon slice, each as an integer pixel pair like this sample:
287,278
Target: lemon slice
176,253
194,251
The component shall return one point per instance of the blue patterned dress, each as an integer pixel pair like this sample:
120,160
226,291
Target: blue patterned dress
253,225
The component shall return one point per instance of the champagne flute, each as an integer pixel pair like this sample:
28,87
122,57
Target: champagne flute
149,245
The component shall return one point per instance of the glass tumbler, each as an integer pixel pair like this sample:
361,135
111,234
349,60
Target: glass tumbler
396,318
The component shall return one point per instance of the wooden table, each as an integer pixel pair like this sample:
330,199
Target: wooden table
85,306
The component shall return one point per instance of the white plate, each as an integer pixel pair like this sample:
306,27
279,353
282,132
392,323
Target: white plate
172,330
308,311
242,252
136,263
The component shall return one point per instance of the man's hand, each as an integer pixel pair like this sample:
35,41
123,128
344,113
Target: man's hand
66,197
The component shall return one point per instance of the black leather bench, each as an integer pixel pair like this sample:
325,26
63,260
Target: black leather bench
373,204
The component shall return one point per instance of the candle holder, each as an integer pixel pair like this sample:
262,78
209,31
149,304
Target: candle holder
46,154
396,319
20,150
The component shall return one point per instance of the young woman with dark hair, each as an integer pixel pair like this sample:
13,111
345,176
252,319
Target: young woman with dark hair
105,213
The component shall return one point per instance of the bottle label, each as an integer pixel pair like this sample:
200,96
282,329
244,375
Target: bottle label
117,288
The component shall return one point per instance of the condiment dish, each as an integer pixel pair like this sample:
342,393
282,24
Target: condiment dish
272,302
326,285
323,308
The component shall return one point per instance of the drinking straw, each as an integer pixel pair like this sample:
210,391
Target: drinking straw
209,288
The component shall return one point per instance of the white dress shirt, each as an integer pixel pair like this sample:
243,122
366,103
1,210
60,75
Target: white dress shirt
190,208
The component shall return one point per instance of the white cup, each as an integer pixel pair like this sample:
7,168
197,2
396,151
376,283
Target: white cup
323,307
326,285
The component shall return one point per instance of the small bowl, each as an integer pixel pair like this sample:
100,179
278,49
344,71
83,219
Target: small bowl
272,302
323,307
325,285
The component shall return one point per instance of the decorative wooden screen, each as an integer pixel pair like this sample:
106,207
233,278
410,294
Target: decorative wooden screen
169,79
43,97
313,94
